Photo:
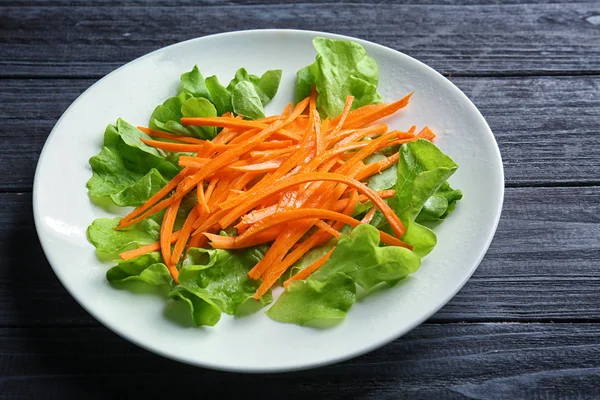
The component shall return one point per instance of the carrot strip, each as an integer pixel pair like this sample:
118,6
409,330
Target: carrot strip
174,147
170,136
377,167
214,165
385,111
140,251
343,116
306,213
222,122
278,186
327,228
228,242
306,272
186,231
166,230
266,166
202,197
426,133
369,216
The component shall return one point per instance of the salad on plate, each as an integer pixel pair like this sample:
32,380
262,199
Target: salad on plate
322,204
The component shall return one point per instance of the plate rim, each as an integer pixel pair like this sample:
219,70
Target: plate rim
300,366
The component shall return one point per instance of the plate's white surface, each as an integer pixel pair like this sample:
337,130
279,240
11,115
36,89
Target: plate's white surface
256,343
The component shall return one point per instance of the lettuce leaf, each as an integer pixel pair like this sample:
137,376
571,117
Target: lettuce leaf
193,83
328,293
128,171
249,93
110,242
422,170
166,117
311,301
221,97
342,68
218,278
359,256
440,205
147,268
265,86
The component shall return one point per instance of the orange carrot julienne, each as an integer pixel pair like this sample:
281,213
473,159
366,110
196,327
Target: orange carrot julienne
140,251
327,228
392,218
306,272
301,213
170,136
186,231
385,111
166,230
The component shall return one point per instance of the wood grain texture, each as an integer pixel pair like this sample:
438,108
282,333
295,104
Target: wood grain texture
543,265
544,138
449,361
44,39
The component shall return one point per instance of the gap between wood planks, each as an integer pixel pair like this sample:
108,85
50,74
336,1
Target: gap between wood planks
515,74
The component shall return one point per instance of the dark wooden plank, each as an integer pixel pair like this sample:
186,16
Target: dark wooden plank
544,138
43,40
450,361
544,265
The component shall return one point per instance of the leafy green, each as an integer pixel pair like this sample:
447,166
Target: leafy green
123,162
265,86
137,193
166,116
221,97
219,278
245,101
422,170
359,256
202,310
193,83
342,68
328,293
440,205
147,268
309,301
200,107
110,242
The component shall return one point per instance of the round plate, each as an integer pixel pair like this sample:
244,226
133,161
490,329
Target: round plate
256,343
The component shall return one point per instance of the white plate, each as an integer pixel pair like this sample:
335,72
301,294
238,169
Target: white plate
256,343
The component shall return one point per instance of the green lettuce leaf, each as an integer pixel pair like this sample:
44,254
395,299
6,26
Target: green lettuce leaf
329,292
311,302
124,162
265,86
221,97
359,256
140,191
220,279
245,101
147,268
202,310
440,205
422,170
342,68
193,83
167,116
110,242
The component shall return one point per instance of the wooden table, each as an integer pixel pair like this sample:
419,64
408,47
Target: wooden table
526,324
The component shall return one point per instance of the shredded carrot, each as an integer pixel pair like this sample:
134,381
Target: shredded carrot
291,181
140,251
327,228
306,272
166,230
